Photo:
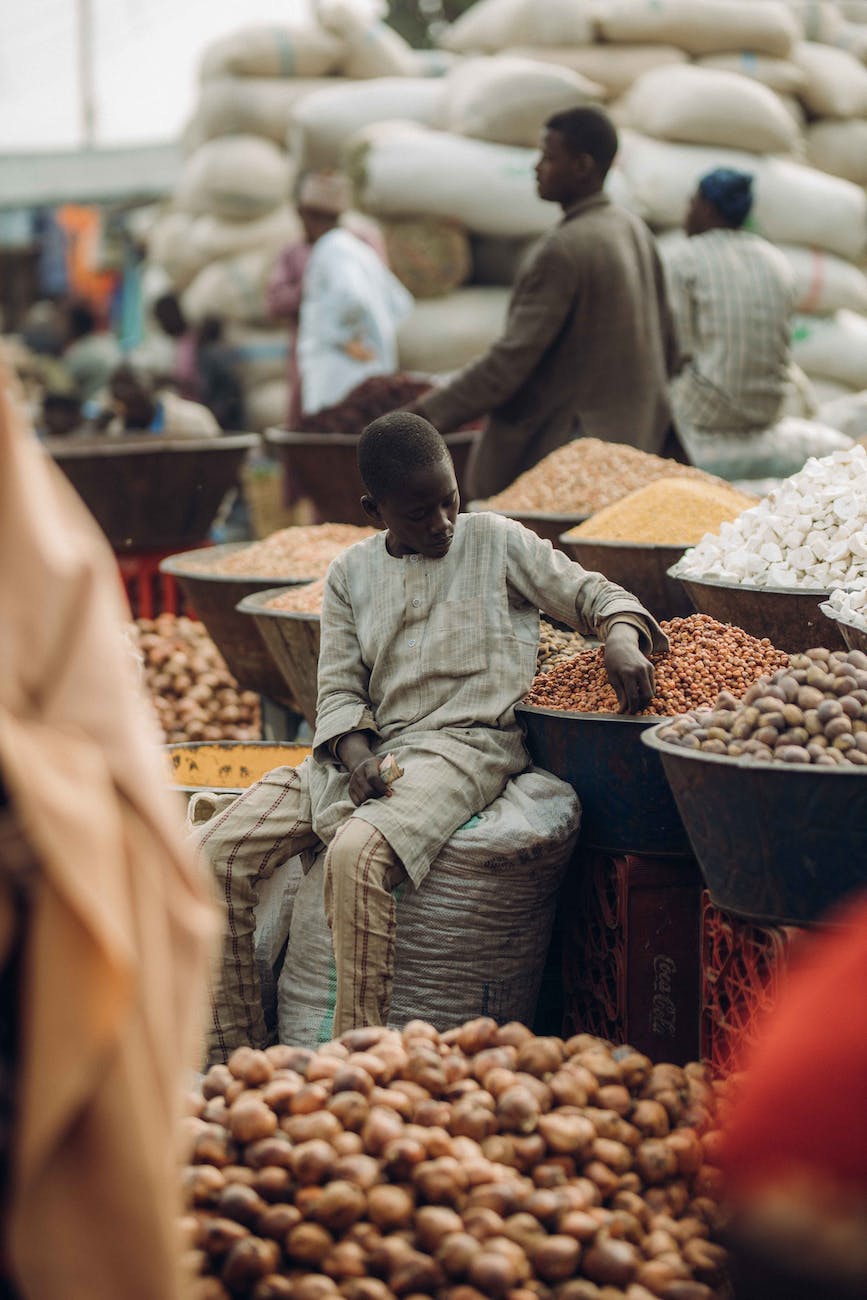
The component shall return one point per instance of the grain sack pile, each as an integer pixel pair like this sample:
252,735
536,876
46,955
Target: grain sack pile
232,214
444,163
773,88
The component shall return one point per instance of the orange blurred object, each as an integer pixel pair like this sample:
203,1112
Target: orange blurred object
804,1097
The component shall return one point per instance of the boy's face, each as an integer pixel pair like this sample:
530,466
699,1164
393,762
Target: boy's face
421,519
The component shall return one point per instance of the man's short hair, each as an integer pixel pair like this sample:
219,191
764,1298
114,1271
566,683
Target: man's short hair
587,130
127,375
392,447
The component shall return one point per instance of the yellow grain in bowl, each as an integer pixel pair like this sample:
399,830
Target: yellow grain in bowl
669,512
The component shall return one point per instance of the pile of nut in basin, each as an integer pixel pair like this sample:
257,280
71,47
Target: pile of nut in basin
297,553
705,657
586,475
812,711
479,1162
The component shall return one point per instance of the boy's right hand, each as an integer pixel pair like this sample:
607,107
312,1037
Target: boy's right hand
366,783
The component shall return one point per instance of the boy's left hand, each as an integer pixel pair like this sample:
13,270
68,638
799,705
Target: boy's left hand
629,672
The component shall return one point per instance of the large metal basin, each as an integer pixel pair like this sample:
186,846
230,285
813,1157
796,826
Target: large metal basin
214,597
791,620
549,527
152,493
641,568
293,642
855,638
779,843
626,803
325,469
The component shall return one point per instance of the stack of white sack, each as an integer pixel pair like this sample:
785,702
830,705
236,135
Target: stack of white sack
218,241
445,163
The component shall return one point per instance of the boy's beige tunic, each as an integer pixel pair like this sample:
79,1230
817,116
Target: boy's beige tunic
431,656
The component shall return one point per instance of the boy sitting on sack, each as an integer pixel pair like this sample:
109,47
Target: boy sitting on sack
429,636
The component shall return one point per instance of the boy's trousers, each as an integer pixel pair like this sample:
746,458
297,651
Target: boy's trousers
245,844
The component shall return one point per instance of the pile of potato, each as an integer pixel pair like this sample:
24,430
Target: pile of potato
193,693
814,711
482,1162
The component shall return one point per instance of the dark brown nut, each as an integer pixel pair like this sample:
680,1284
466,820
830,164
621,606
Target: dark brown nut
611,1262
241,1203
247,1261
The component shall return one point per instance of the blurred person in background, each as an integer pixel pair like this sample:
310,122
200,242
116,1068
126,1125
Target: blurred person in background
351,307
138,405
203,370
588,343
323,205
62,412
104,922
91,353
43,330
733,295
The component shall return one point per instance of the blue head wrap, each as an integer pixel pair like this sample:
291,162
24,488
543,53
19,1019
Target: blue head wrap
730,192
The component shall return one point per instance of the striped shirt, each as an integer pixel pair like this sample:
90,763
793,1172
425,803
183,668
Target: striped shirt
732,294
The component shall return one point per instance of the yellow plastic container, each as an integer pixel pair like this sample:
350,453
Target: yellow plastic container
229,765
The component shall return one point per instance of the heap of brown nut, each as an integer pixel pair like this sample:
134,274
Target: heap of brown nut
481,1162
814,711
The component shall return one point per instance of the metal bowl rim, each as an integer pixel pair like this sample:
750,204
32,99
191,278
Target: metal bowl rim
654,741
82,448
175,565
626,546
808,592
542,710
254,603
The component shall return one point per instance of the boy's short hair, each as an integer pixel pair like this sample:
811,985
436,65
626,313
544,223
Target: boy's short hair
589,130
395,445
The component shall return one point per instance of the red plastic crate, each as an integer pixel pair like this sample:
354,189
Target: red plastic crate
631,952
744,969
148,591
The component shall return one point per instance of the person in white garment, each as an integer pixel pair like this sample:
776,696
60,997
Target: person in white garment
351,307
